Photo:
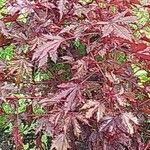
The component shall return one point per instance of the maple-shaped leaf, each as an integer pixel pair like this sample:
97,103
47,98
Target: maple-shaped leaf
107,30
71,96
82,10
82,67
124,122
6,89
121,18
72,121
79,31
56,116
117,26
141,50
128,120
110,124
44,123
20,68
122,32
145,54
21,65
60,143
48,48
107,122
21,6
112,77
61,7
94,106
94,141
76,128
69,93
121,142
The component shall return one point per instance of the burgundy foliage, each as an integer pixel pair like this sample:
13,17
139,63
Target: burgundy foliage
97,107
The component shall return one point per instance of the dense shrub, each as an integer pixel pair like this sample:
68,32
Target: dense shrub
74,74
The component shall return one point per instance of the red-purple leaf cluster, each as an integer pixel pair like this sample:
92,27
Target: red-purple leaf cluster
98,104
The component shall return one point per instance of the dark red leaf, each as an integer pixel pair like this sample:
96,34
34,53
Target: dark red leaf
138,47
75,64
10,18
17,137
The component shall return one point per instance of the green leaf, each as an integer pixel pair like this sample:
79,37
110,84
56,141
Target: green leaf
7,108
3,121
22,106
7,53
38,110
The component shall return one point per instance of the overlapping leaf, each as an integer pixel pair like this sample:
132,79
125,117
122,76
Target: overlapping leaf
106,117
20,68
60,143
74,122
128,120
117,26
141,50
6,89
44,123
23,6
93,106
70,92
48,48
61,7
82,67
125,122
